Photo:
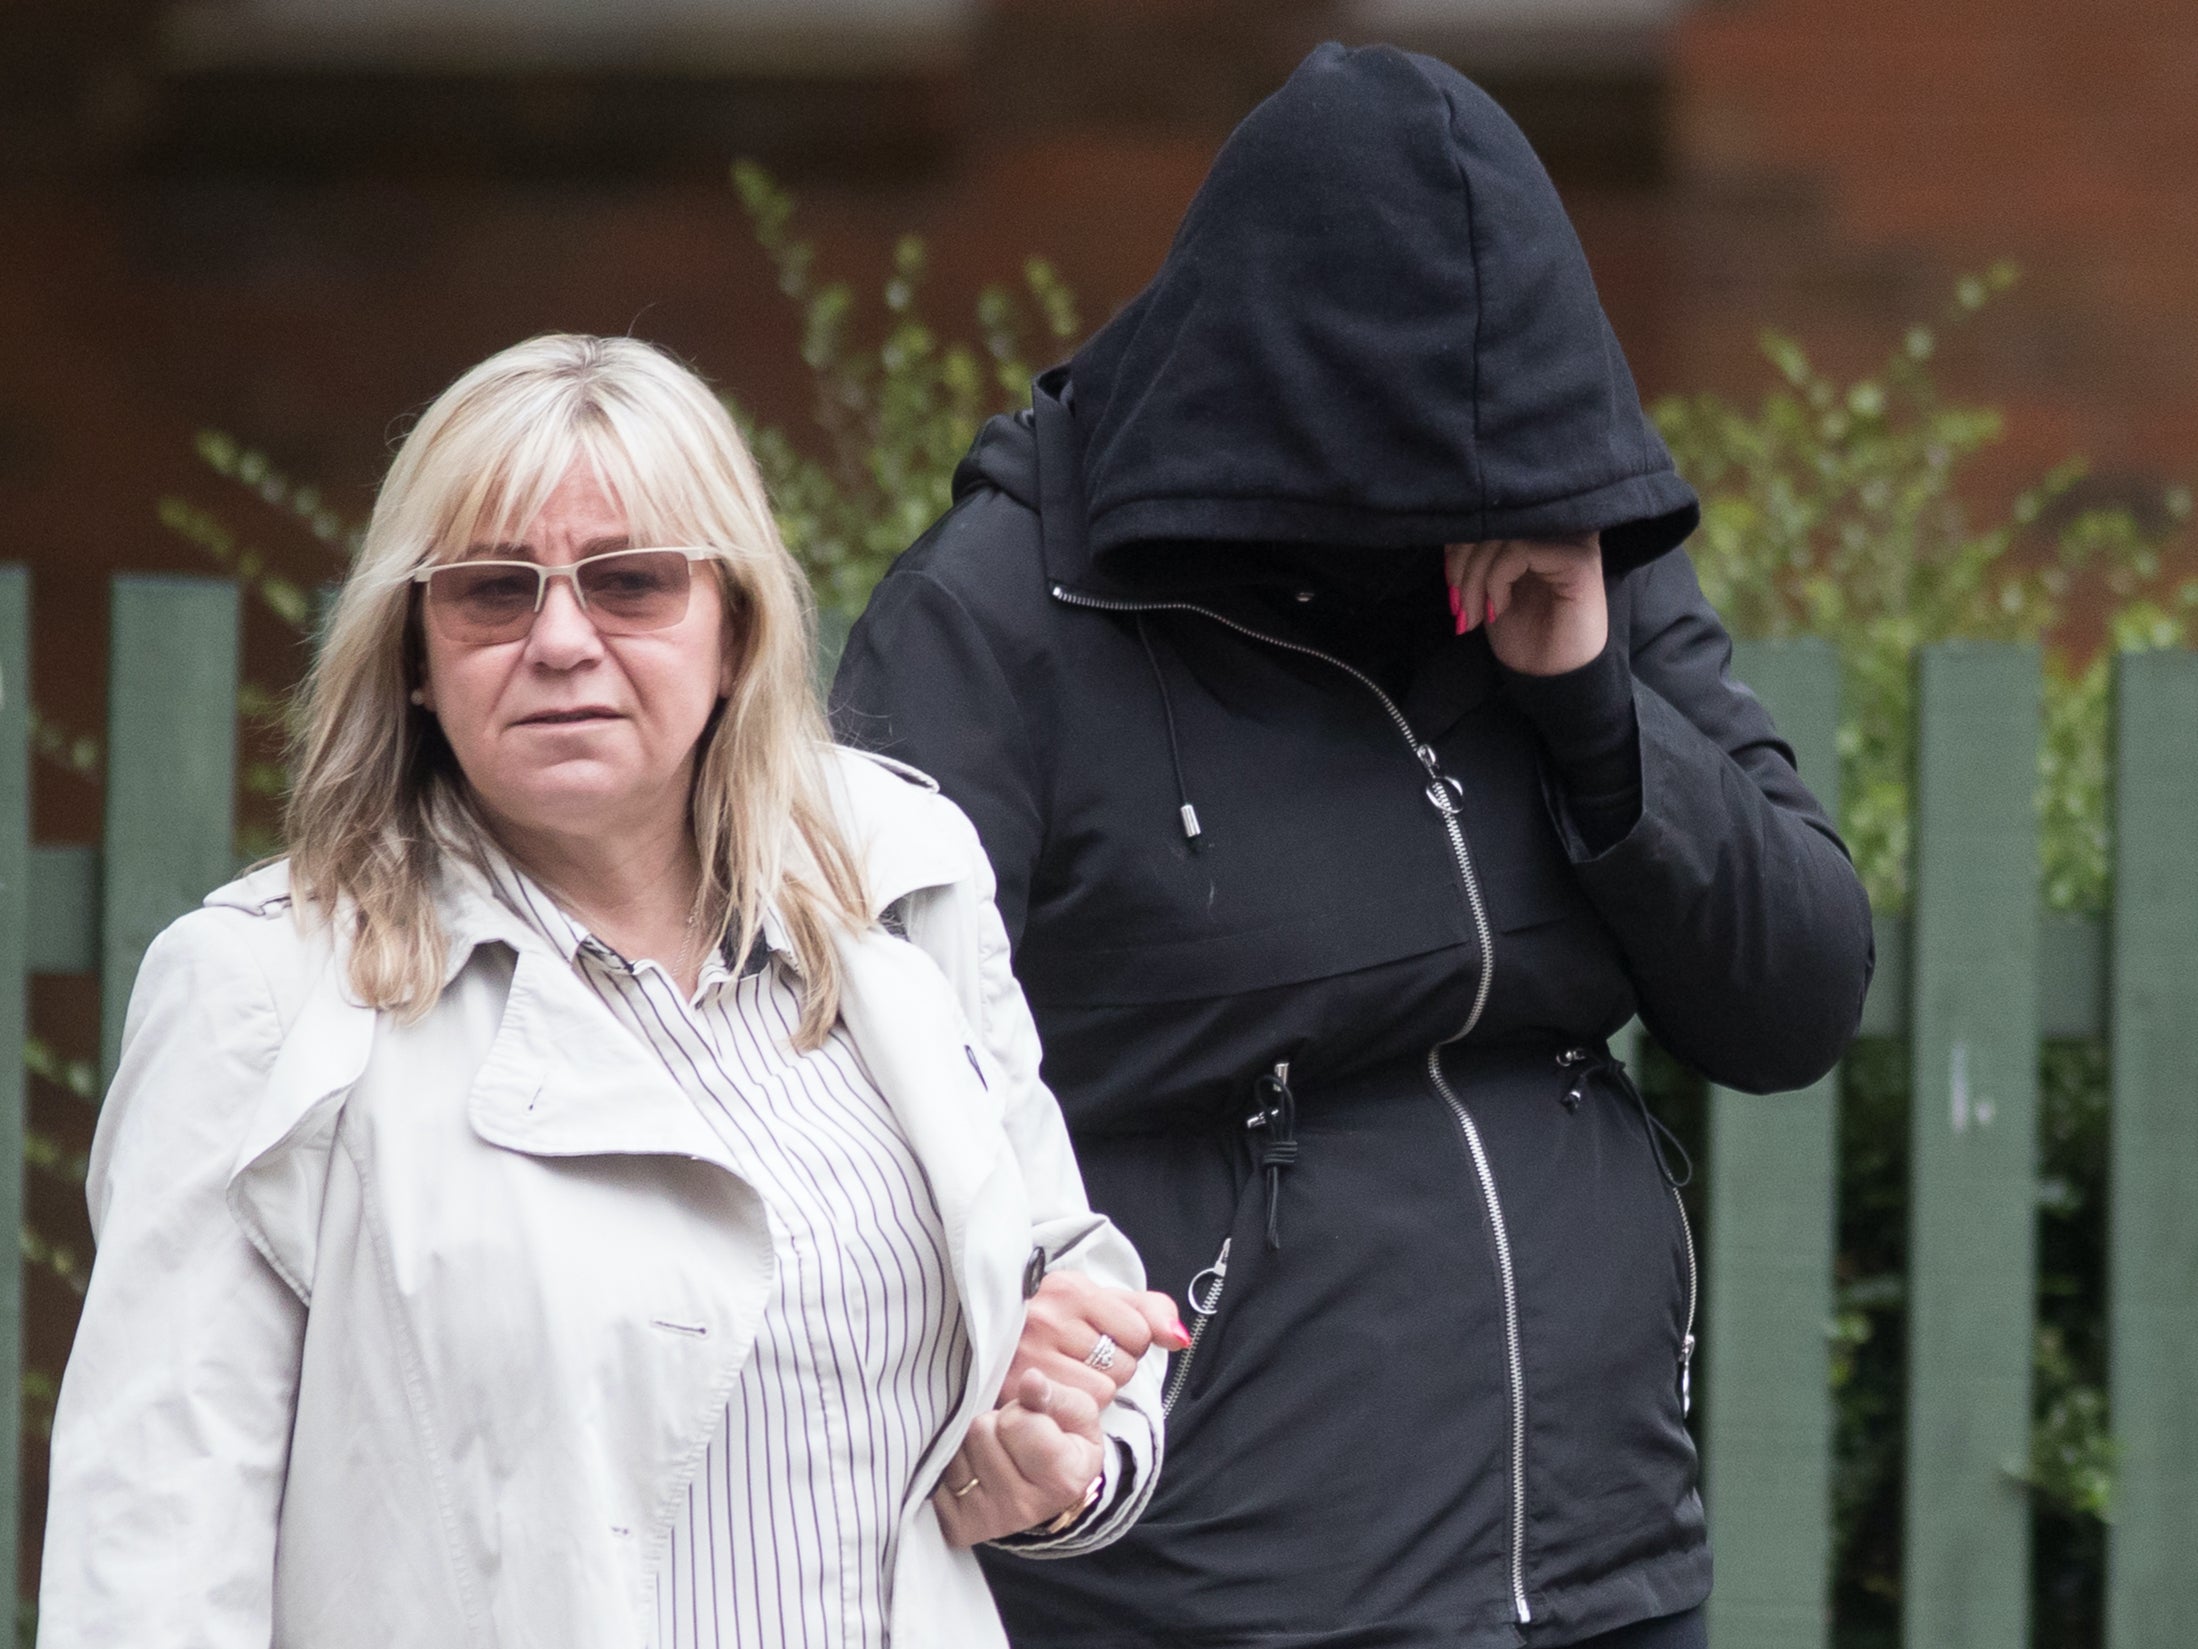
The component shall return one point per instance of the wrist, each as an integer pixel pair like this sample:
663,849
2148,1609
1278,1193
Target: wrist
1589,698
1075,1510
1585,721
1572,644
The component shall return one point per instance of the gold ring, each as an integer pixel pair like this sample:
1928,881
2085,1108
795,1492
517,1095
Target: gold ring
963,1491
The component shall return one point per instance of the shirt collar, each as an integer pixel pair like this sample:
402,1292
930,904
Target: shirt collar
494,900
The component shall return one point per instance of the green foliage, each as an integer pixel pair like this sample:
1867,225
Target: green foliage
40,1392
195,526
77,754
1869,1339
63,1261
1838,509
74,1076
2071,1451
894,414
256,473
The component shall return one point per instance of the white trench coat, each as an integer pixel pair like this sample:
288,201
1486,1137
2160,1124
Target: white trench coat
412,1335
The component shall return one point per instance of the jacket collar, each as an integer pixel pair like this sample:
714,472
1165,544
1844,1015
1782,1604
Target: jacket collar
1062,525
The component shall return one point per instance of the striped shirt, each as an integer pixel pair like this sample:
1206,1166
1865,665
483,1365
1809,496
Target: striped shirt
789,1528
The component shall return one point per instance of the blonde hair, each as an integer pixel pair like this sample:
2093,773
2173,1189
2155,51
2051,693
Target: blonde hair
379,800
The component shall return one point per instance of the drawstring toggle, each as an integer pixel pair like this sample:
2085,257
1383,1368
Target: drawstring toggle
1275,1121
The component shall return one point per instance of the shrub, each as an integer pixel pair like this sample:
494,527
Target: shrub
893,415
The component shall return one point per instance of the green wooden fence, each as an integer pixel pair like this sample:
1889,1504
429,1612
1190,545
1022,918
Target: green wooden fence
1973,984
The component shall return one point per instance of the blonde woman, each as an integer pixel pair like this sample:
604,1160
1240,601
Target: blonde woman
589,1193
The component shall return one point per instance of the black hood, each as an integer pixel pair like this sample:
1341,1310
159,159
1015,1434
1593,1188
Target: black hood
1375,330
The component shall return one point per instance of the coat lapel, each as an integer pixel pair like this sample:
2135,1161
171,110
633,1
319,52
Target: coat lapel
913,1039
565,1079
274,1190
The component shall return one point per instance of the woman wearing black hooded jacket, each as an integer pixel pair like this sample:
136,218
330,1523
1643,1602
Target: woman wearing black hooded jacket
1326,900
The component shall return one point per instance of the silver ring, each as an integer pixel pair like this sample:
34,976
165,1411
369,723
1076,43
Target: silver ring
1101,1355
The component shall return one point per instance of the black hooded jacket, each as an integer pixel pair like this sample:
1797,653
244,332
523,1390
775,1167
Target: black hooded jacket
1325,915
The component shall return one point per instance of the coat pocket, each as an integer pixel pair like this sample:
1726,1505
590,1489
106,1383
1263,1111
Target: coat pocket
1580,1067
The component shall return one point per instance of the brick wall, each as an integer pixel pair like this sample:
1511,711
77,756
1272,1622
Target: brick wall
1840,164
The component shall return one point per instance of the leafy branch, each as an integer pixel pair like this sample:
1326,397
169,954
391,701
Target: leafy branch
1837,509
894,414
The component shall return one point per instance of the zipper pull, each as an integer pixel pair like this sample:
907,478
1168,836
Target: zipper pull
1575,1063
1204,1294
1204,1299
1447,795
1686,1376
1268,1116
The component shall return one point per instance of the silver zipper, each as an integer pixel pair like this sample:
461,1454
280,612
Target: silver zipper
1514,1358
1203,1306
1694,1286
1445,794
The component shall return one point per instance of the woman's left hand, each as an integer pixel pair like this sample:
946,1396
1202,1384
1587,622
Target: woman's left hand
1022,1465
1542,599
1082,1333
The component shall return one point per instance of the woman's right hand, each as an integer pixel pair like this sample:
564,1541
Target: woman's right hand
1022,1465
1542,599
1065,1321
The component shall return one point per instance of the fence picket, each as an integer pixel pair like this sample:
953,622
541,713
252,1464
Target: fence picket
171,770
2152,1583
1973,1132
15,834
1771,1185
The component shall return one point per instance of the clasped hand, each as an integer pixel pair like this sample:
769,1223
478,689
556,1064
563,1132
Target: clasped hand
1039,1452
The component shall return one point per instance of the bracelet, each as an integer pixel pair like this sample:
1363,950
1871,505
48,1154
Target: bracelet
1061,1524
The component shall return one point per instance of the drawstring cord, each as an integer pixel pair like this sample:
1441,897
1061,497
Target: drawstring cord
1584,1064
1187,813
1660,1137
1276,1147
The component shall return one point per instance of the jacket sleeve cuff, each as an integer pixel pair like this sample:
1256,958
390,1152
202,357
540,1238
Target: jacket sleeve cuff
1128,1477
1587,723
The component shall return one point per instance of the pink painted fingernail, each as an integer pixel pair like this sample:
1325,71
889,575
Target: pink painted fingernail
1457,601
1491,609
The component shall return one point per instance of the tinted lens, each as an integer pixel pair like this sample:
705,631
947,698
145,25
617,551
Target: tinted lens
632,590
482,601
